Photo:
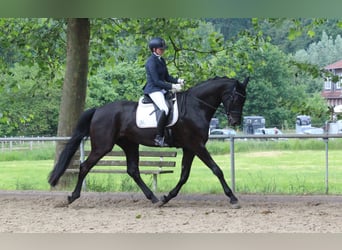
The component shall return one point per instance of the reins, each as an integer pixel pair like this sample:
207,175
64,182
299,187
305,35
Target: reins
211,106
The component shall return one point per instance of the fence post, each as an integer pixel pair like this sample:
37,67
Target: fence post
82,156
232,163
326,139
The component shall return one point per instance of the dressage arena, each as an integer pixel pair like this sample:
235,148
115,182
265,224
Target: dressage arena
41,211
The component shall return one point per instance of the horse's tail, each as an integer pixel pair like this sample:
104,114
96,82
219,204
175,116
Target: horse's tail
81,130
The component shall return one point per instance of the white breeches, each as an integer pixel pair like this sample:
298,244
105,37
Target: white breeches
159,99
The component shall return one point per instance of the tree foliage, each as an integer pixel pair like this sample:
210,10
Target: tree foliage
322,53
27,109
32,41
198,49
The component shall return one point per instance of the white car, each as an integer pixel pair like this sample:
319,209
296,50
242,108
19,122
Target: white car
267,131
313,131
226,132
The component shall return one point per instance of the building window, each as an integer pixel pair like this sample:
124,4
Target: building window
338,84
327,83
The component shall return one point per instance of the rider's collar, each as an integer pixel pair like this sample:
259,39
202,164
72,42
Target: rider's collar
159,56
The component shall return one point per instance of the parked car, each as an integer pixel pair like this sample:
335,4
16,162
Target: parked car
313,131
222,132
268,131
214,124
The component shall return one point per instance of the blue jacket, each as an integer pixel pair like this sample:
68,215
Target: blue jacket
157,75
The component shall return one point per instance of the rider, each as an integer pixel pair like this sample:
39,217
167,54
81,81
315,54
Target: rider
158,83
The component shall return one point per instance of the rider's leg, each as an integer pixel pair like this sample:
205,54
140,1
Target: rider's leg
161,123
159,100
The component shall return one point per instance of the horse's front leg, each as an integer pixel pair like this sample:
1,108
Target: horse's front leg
204,155
187,159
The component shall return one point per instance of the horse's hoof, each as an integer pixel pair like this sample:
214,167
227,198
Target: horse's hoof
158,204
162,202
235,205
70,199
154,200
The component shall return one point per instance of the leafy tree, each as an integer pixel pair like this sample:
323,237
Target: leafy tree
323,52
28,109
38,45
231,27
291,35
276,90
122,81
32,41
197,51
122,74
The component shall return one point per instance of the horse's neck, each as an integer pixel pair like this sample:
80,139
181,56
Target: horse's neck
209,93
208,99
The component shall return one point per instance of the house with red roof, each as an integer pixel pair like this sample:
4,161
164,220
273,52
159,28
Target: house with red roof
332,91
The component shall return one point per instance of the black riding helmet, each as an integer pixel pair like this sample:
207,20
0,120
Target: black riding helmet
157,43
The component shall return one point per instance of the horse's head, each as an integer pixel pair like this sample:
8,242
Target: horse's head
234,103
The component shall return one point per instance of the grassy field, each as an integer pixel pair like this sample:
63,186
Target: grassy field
278,167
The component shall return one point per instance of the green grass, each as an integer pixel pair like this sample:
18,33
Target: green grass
290,172
278,167
25,175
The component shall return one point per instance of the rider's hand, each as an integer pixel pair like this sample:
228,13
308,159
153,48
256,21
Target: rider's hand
176,87
181,81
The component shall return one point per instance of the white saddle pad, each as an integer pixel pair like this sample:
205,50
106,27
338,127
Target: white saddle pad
146,115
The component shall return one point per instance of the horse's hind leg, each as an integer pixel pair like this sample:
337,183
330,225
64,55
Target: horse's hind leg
85,167
132,157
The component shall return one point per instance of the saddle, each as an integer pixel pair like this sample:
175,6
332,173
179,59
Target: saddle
146,115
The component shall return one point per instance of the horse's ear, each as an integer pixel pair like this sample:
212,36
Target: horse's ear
245,82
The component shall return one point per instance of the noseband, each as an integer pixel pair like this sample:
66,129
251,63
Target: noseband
230,97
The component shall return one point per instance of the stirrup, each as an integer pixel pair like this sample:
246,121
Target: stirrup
159,141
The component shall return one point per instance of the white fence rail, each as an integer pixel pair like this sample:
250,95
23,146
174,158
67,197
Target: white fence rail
12,143
325,138
231,139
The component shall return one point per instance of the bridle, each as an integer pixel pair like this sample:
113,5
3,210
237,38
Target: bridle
233,95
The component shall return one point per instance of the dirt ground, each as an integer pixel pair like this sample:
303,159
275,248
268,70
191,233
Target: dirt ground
36,211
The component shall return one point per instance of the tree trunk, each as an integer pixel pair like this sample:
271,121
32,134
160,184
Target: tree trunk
75,82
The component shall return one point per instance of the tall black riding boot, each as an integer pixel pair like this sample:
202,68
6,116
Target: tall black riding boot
161,123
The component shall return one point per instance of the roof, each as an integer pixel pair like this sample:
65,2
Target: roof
331,94
335,65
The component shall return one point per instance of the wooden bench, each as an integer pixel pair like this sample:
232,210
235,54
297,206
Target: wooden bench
151,162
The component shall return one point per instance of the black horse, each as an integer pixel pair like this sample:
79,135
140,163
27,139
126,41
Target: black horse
114,123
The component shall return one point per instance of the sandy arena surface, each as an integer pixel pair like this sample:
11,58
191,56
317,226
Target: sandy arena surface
36,211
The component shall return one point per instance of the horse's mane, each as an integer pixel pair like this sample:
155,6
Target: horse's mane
216,78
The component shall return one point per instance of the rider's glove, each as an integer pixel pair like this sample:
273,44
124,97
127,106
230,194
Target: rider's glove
176,87
181,81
